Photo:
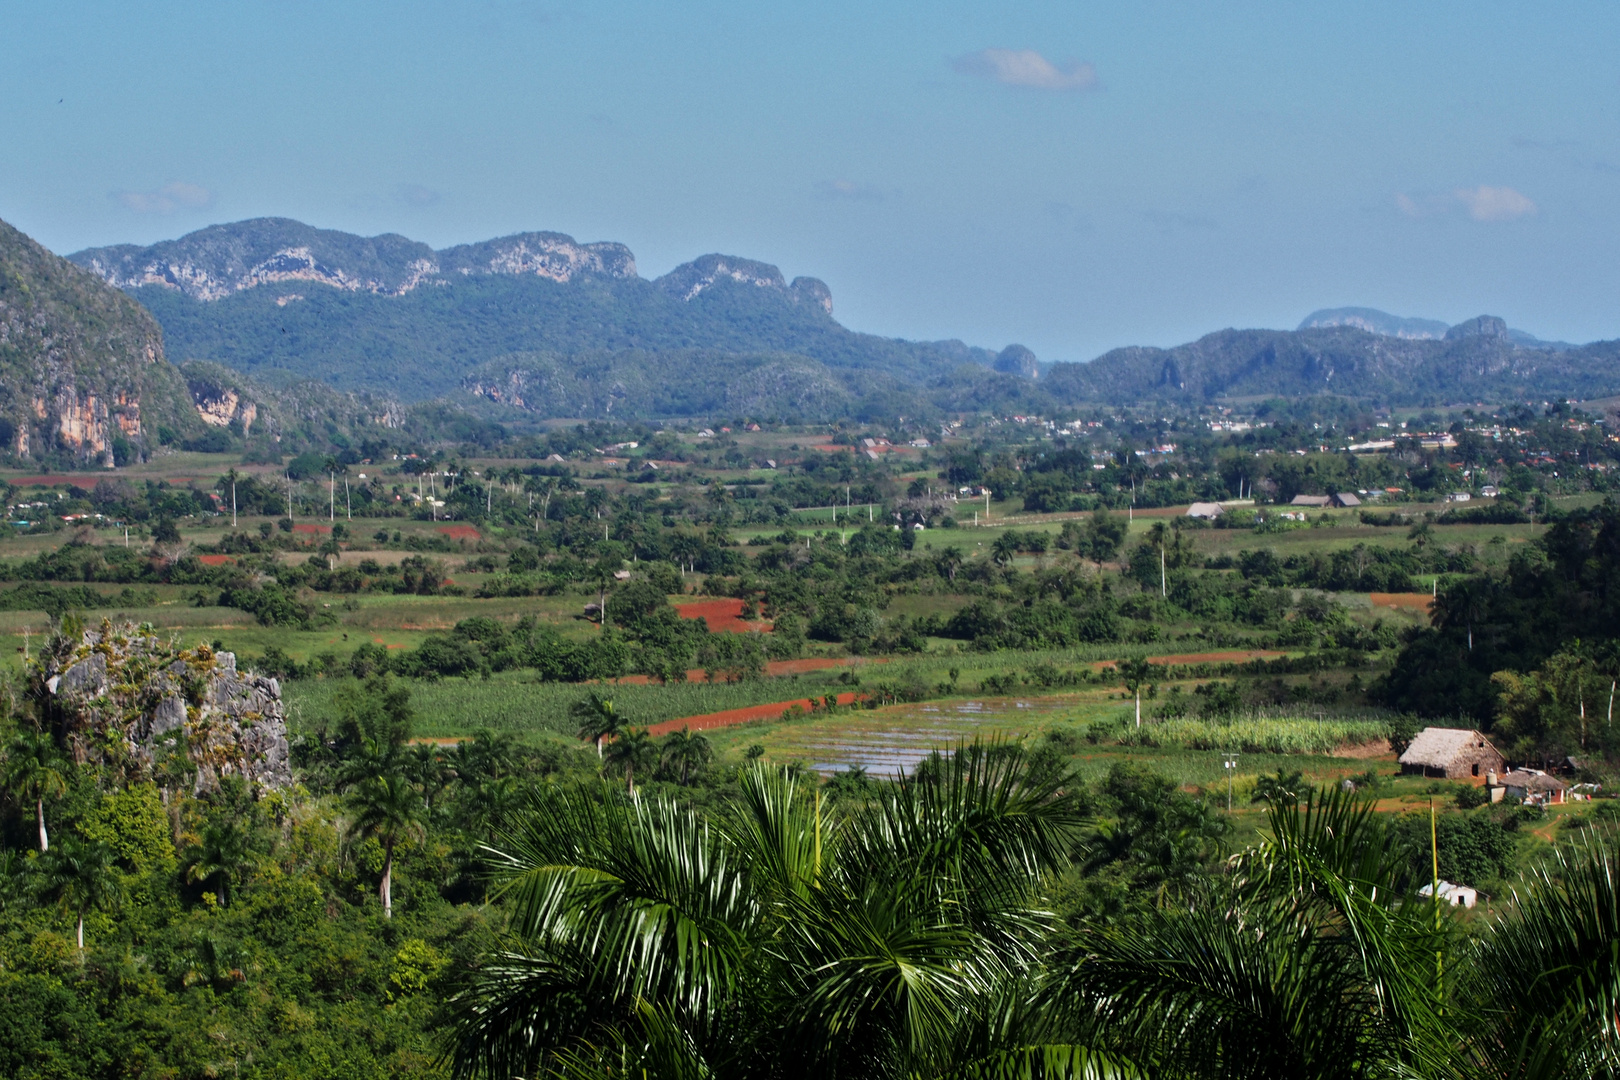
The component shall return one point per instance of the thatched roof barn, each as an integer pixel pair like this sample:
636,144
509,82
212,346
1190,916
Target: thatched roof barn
1451,753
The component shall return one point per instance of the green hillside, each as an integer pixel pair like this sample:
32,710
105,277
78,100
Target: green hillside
83,377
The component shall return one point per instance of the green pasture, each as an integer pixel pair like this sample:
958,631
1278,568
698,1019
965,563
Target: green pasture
519,703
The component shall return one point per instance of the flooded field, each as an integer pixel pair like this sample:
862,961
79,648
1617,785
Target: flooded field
894,739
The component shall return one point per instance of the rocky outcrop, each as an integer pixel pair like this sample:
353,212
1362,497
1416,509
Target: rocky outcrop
688,280
139,705
1018,360
543,254
1481,326
813,292
220,404
222,260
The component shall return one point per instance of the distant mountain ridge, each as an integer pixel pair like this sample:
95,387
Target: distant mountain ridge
1475,361
1382,322
536,322
220,260
539,325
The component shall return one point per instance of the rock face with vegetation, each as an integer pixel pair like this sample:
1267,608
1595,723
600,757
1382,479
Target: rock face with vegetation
82,370
142,707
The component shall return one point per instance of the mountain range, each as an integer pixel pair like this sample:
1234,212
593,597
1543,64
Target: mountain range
307,335
1382,322
540,324
535,322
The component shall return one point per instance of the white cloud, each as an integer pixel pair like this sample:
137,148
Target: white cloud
1486,203
175,195
1026,67
1482,203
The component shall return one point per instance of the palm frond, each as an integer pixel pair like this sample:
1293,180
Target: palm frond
643,888
1549,972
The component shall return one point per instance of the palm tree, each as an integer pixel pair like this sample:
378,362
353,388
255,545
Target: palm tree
1133,673
388,807
35,771
904,936
687,751
331,468
632,750
79,876
1311,959
1003,548
1554,1017
897,939
598,720
225,844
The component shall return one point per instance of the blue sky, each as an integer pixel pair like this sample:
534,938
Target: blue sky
1071,176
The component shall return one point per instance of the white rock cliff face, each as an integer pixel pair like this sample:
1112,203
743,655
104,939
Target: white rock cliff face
219,410
212,276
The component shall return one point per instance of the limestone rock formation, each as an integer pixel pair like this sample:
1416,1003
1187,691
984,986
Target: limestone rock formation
135,703
82,370
1018,360
222,260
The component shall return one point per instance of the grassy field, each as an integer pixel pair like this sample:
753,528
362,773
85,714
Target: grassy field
516,702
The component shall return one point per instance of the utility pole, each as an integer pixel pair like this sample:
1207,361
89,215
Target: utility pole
348,503
1162,589
289,497
1229,763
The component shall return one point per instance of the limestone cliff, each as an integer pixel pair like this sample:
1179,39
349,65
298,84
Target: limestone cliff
222,260
82,371
139,706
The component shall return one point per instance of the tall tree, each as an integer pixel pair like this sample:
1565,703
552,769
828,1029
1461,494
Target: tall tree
598,719
1133,673
79,876
35,771
389,808
687,752
633,749
221,849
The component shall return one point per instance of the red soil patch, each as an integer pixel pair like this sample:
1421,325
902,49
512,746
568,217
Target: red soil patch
1415,600
459,532
731,717
316,529
773,668
723,616
216,560
1230,656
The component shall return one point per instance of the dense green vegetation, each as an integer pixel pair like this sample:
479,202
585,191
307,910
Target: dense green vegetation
486,864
